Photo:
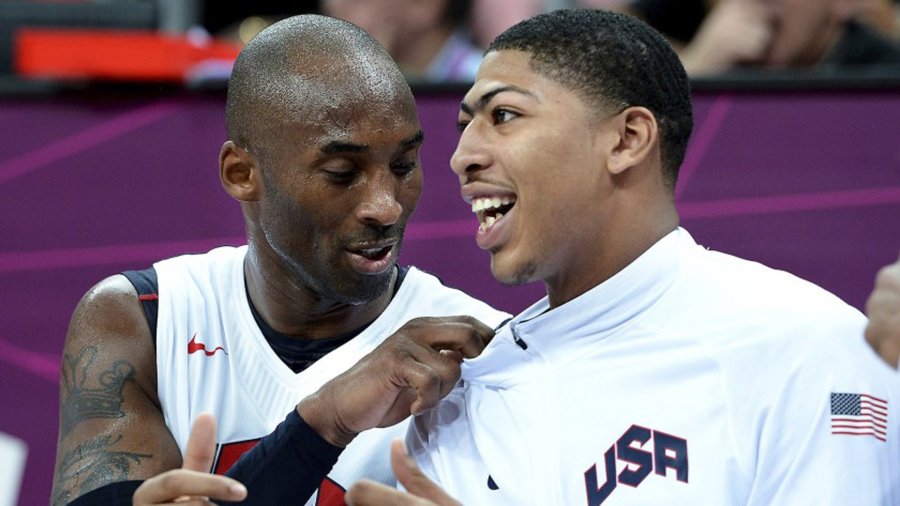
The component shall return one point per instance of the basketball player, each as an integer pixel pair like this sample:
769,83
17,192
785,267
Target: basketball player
655,371
323,158
883,308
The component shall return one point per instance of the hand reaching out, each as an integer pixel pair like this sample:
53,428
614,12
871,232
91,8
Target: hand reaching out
406,374
192,484
883,308
420,490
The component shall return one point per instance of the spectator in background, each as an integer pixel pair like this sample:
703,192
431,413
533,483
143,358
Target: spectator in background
492,17
240,20
429,39
775,34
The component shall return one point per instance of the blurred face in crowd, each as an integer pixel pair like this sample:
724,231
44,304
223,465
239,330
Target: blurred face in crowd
804,30
393,23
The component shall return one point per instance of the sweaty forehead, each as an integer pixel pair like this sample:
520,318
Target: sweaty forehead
333,96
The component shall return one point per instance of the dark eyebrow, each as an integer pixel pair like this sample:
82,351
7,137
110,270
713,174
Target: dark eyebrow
338,147
484,99
414,140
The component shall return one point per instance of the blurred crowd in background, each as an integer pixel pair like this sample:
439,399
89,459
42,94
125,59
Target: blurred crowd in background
440,41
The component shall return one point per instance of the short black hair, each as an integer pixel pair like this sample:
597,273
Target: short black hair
301,62
614,61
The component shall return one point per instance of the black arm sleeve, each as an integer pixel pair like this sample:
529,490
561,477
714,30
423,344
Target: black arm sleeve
114,494
287,466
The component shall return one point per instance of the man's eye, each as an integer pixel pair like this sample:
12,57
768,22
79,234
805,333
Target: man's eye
503,116
461,125
340,176
404,168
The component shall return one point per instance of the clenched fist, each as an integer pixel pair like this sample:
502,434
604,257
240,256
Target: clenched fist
407,374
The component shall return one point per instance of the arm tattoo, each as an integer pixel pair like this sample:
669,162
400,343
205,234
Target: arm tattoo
91,465
82,401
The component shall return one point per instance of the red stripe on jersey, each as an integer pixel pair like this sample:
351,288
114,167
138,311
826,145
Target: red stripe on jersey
148,296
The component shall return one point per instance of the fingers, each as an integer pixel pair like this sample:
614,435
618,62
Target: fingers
192,484
433,375
462,334
413,479
406,374
201,446
370,493
174,484
883,309
420,490
430,381
888,350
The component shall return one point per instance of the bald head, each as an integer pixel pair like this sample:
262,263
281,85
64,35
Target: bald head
305,69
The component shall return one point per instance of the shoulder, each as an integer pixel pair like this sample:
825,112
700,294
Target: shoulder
730,286
431,294
747,315
107,302
218,270
214,259
109,324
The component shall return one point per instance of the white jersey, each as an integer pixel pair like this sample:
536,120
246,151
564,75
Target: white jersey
690,377
213,358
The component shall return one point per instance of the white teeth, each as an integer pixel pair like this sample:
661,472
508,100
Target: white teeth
483,203
489,221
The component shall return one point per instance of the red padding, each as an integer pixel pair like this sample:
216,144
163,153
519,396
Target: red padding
113,54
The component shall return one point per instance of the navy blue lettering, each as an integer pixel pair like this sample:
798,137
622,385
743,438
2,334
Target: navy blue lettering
677,461
669,452
596,495
642,459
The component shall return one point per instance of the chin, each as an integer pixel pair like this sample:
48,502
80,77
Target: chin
364,289
513,275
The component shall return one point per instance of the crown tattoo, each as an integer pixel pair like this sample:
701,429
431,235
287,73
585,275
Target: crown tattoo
84,401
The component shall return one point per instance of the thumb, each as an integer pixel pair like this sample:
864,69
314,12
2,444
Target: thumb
413,479
201,446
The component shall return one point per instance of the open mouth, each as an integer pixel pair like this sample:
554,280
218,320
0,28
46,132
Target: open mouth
491,209
374,253
372,259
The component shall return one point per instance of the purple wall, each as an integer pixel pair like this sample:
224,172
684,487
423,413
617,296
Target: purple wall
91,186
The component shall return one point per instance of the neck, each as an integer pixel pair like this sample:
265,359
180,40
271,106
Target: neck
290,307
626,234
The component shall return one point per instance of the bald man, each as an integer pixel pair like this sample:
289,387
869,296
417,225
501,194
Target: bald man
323,158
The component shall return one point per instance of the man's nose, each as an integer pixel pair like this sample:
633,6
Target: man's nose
471,152
380,205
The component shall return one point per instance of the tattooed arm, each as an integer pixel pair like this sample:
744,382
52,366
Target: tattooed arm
111,426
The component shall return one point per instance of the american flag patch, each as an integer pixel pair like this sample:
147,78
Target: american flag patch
859,415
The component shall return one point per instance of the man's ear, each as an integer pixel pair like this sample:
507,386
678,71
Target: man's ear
239,173
638,135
